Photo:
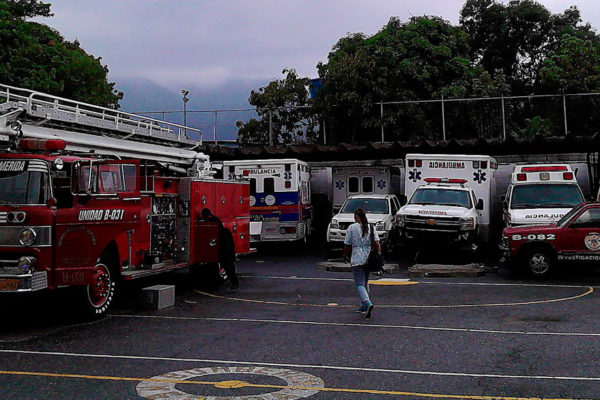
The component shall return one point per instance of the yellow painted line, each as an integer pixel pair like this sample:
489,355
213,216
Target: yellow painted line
240,384
392,282
281,303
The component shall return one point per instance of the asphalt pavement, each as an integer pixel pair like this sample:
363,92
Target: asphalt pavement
291,331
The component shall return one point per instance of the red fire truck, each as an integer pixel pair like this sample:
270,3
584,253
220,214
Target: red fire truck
575,238
91,196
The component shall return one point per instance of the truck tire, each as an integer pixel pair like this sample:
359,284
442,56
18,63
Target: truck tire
98,297
538,262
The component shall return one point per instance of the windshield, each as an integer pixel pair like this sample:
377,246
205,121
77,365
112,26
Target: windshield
24,187
371,206
442,197
563,221
545,196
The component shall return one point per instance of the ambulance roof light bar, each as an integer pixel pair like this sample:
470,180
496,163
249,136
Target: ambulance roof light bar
547,168
446,180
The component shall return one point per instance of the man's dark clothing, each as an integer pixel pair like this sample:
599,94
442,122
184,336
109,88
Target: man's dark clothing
226,251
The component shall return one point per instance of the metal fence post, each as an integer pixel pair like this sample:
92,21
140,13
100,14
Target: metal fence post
324,132
382,133
565,112
270,127
443,120
503,121
215,128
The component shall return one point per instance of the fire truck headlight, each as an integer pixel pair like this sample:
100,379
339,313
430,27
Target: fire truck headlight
27,237
335,224
26,264
467,224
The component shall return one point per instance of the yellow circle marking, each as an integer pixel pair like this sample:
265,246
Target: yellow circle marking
282,303
320,389
231,384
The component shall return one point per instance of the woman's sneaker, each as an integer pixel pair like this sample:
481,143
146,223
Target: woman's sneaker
369,312
363,308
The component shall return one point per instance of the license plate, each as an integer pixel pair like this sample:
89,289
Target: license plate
9,284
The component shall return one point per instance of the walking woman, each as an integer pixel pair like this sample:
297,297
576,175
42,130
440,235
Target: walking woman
358,241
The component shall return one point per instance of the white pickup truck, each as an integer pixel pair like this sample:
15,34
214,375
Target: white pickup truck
442,210
380,210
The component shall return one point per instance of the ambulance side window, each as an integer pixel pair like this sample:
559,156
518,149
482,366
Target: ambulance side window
367,184
353,184
269,185
252,186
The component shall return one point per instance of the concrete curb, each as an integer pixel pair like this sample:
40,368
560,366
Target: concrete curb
447,271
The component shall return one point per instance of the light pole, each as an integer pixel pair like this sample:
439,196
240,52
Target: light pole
184,93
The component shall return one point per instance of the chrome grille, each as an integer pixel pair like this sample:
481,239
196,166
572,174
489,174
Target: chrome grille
9,236
427,223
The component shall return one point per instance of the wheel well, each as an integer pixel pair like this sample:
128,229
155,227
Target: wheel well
537,245
111,251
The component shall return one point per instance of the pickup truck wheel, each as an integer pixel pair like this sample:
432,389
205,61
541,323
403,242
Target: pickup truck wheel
97,298
538,262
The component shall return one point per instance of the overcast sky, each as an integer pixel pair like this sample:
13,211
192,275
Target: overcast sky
210,43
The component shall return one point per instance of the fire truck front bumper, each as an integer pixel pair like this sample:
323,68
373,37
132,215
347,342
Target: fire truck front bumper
19,276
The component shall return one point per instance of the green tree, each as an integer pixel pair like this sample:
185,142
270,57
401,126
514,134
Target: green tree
37,57
283,104
574,67
516,37
422,59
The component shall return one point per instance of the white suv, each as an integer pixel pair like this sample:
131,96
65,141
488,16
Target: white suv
380,210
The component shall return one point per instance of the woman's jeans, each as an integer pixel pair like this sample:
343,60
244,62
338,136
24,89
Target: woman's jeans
361,280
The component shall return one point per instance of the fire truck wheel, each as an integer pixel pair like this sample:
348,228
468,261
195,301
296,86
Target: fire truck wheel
99,296
538,262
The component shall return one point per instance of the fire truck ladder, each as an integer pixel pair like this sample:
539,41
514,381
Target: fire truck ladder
87,128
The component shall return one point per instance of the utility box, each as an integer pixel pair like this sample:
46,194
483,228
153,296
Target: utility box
158,297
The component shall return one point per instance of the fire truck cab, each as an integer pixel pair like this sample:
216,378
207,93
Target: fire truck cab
91,196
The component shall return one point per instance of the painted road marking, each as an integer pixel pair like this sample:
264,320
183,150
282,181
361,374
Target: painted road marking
373,326
308,278
307,366
298,384
246,384
282,303
392,282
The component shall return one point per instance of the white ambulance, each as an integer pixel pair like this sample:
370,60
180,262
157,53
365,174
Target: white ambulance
450,198
351,180
280,208
540,194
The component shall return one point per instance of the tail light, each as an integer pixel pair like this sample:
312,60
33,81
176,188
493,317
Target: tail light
567,176
411,163
288,167
246,172
483,164
288,184
287,229
419,163
521,177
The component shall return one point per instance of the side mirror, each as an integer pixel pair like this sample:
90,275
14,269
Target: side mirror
479,205
505,205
